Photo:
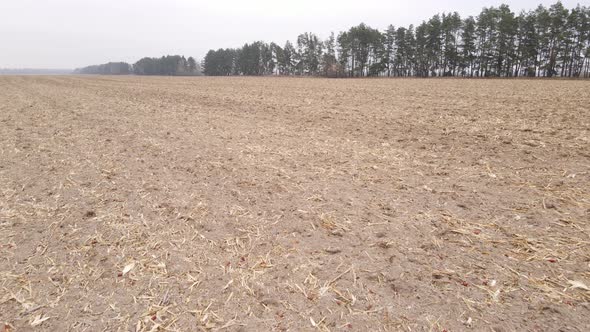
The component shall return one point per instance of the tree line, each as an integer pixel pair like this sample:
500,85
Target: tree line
111,68
545,42
170,65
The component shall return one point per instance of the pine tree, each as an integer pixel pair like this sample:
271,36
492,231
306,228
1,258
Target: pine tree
468,47
506,41
451,26
329,63
389,49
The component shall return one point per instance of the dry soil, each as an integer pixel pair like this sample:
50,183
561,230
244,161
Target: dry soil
285,204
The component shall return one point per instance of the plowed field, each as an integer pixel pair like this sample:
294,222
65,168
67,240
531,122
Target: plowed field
254,204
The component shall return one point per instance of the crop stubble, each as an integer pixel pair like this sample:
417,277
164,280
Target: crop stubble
246,204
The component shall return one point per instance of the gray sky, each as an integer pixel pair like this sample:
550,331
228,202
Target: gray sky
75,33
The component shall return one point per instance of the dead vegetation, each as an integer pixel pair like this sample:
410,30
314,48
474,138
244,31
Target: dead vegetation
248,204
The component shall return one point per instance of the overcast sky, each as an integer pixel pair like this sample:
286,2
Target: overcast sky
75,33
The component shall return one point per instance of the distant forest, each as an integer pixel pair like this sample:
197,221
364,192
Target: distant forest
34,71
545,42
111,68
171,65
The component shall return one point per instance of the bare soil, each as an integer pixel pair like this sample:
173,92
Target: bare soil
285,204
